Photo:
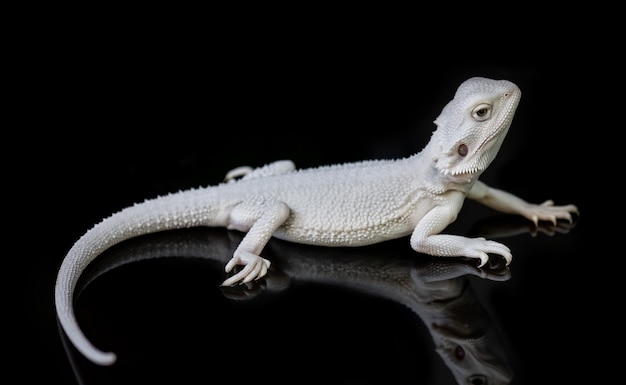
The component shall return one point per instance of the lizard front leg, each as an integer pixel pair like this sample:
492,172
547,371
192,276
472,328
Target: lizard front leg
259,219
426,237
508,203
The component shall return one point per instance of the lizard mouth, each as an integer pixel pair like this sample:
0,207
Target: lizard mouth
465,171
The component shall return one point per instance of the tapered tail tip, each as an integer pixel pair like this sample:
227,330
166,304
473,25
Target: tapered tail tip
102,358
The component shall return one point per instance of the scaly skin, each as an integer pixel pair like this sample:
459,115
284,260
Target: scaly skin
352,204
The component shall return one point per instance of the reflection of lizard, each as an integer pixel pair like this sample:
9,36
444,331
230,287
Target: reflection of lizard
438,292
352,204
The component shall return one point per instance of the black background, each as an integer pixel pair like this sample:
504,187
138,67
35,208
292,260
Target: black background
108,121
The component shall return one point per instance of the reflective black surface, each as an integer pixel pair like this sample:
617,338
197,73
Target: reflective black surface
369,316
330,313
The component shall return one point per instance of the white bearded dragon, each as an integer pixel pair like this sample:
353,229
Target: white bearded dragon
351,204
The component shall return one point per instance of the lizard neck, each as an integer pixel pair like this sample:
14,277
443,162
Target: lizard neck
433,179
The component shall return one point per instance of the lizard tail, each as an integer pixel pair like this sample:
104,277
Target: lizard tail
79,256
175,211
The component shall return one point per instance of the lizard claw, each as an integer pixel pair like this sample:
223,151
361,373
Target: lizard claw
484,258
484,247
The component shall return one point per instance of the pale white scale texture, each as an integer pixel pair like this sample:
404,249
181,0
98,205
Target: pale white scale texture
350,204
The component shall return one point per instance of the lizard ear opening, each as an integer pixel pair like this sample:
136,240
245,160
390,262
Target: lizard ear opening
462,150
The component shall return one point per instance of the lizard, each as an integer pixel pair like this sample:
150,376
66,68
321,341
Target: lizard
348,204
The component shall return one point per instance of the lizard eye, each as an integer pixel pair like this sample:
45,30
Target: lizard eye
482,112
462,150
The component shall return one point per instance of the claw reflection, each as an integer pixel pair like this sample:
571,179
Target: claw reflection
438,291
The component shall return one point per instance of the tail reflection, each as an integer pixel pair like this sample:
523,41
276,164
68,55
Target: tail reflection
437,290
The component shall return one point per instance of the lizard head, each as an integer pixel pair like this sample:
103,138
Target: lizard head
472,126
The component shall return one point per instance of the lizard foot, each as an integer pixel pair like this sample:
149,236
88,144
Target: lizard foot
255,267
547,211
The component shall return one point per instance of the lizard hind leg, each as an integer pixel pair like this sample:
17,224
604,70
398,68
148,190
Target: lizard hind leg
246,172
237,173
260,219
